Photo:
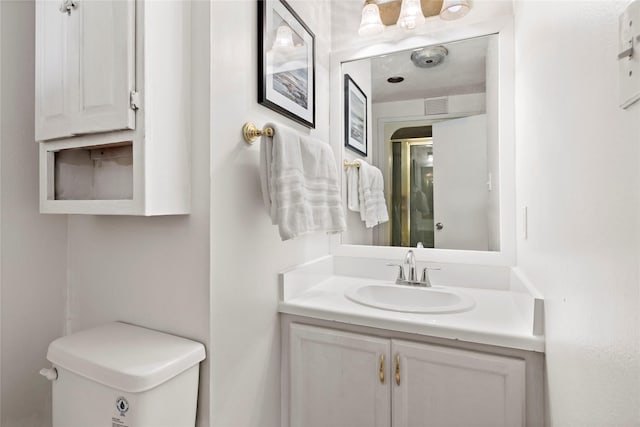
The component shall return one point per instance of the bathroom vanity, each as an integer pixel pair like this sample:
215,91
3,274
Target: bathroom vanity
347,363
357,350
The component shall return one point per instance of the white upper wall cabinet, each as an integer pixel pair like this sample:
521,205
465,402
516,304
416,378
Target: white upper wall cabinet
113,106
85,67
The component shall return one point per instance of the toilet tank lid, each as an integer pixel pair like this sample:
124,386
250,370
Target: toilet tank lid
125,357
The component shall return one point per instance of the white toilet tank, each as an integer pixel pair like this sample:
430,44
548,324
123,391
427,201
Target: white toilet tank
120,375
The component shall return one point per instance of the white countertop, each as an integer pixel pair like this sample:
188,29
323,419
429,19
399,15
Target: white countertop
496,318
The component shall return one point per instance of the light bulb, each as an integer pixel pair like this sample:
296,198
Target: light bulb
410,14
454,9
371,23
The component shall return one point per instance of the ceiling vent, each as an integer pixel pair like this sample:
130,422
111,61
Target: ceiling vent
436,106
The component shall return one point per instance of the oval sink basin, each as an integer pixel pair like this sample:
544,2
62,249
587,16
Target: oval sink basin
410,299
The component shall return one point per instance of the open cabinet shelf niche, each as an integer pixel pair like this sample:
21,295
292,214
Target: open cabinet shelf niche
92,173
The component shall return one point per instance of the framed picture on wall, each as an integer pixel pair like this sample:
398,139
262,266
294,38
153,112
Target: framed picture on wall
355,116
286,62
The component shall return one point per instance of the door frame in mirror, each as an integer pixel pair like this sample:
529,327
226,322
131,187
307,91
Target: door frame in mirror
504,28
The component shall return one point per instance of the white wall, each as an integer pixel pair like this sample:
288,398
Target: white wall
32,246
578,173
153,272
246,251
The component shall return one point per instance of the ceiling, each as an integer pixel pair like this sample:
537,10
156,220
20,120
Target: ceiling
462,72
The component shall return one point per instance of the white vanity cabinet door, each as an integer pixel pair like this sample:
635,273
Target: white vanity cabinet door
441,386
335,379
53,107
103,42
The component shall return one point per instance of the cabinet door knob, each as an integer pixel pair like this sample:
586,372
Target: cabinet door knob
398,369
381,369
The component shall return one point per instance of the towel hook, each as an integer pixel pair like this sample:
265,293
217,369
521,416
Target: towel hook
251,132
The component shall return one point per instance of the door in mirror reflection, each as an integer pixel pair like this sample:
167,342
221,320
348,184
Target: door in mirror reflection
460,180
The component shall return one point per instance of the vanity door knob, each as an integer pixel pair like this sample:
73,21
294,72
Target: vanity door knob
439,226
381,374
398,369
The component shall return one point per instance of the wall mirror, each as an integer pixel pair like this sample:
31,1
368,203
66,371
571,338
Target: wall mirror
439,126
433,134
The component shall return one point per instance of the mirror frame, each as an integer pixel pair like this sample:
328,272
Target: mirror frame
503,27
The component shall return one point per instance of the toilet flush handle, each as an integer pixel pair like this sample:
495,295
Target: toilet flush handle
49,373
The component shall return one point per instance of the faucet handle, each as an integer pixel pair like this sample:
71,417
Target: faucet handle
425,275
400,271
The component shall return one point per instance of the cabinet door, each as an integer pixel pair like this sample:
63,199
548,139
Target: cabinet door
441,386
103,38
335,379
53,110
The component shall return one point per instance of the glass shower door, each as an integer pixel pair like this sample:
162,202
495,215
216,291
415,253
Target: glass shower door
412,193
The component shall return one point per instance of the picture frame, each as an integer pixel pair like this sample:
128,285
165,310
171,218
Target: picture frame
355,117
286,62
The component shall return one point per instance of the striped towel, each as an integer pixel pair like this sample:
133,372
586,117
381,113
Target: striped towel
300,184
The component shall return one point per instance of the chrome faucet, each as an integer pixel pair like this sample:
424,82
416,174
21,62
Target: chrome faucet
411,279
410,260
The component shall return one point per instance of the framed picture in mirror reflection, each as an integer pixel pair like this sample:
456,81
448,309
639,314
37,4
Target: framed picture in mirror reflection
286,62
355,116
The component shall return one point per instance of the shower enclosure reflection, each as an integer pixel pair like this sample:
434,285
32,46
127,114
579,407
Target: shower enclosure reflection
434,137
412,187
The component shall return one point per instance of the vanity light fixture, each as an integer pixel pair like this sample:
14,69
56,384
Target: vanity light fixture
408,14
454,9
371,24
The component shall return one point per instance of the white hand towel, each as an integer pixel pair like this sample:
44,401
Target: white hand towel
353,188
373,207
300,184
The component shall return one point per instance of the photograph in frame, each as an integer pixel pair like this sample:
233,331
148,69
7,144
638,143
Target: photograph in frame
286,70
355,116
